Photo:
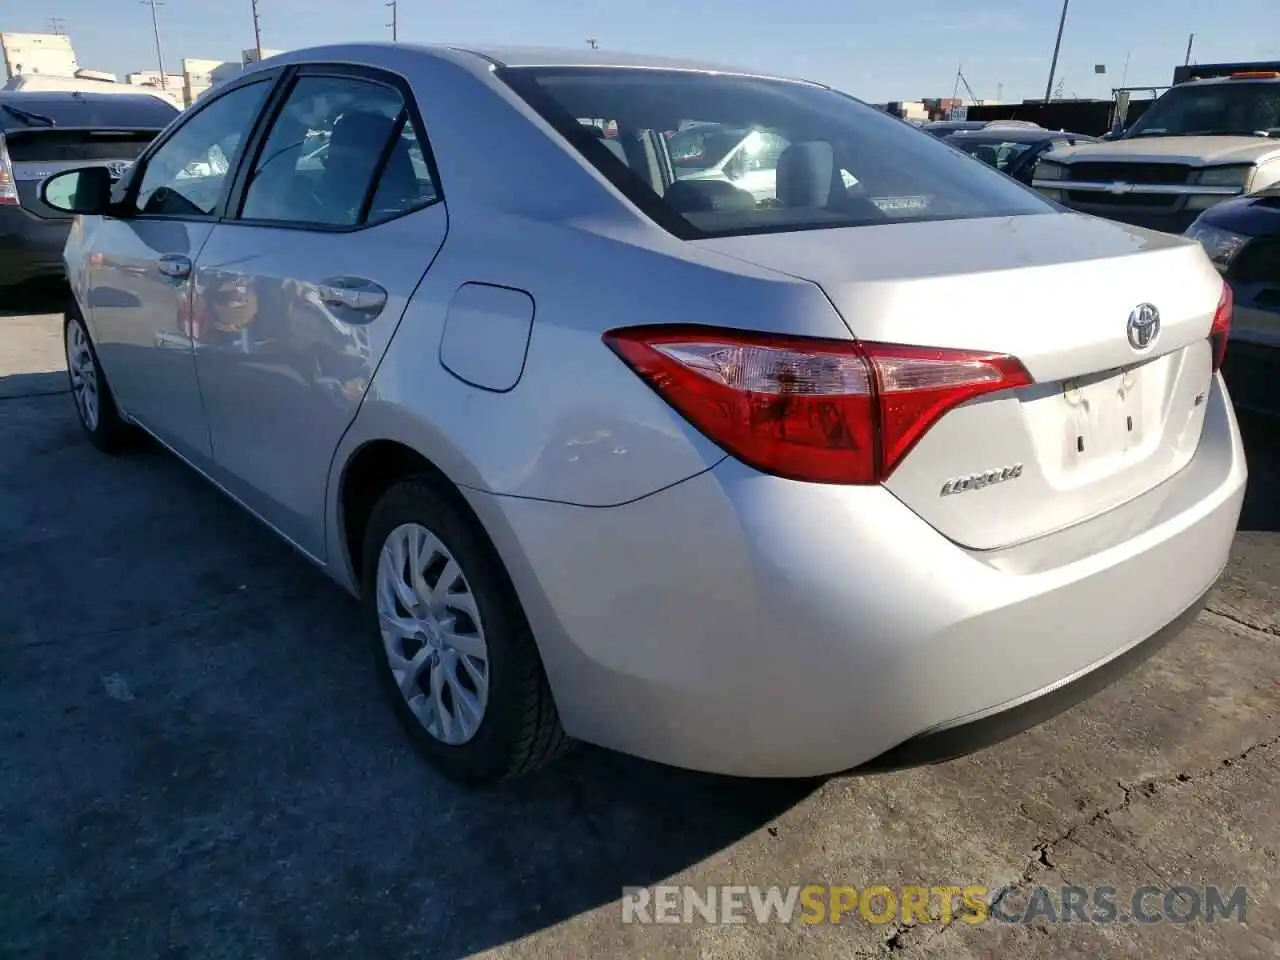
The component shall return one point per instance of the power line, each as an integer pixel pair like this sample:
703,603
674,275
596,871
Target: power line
155,26
393,5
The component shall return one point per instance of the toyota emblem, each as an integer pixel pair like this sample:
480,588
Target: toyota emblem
1144,326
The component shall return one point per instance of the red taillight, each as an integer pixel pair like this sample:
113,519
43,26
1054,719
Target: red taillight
825,411
8,188
1221,329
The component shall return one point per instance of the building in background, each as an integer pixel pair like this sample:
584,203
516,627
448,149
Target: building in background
251,56
169,87
47,54
151,78
198,75
99,75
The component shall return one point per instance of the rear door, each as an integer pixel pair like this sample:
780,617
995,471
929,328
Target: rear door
142,263
332,226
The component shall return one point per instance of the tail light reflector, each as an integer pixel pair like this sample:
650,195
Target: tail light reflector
1221,329
824,411
8,188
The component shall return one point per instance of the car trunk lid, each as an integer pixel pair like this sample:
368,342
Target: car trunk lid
1102,423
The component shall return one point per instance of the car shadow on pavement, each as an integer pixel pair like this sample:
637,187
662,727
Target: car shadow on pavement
1261,435
20,385
200,761
29,298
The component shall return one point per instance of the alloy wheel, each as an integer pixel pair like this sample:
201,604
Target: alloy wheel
432,633
84,375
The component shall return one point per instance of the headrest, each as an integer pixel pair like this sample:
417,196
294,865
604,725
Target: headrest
805,174
360,127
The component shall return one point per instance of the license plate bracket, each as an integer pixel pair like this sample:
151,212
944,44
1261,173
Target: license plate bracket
1104,414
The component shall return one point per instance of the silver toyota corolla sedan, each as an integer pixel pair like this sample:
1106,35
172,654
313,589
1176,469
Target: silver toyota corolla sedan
871,471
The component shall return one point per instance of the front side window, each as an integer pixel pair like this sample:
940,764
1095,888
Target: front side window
1236,107
324,151
185,176
756,155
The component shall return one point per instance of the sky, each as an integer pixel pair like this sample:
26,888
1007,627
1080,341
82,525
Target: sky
876,51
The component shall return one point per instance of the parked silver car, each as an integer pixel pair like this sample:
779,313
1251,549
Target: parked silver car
868,474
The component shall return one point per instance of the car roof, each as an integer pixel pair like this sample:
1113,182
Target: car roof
72,109
1234,81
1016,134
518,56
28,99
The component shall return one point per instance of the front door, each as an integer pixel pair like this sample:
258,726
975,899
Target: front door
299,294
143,266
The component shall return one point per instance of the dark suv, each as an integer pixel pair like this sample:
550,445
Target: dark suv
43,133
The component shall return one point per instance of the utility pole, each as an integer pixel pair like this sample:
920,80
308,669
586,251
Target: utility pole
1057,45
1190,40
155,26
593,43
57,26
392,24
257,30
955,90
1125,76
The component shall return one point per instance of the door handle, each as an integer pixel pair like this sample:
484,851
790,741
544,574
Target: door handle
354,294
174,265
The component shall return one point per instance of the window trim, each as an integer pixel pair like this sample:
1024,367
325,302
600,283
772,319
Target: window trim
366,74
129,194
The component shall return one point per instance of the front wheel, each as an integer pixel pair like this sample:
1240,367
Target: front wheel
451,640
95,408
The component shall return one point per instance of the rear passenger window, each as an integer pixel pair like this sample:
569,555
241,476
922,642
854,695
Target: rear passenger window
338,144
405,182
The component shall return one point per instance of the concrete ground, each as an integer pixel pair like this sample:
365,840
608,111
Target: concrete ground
196,762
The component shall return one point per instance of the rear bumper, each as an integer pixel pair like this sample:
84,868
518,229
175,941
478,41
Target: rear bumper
749,625
962,737
30,248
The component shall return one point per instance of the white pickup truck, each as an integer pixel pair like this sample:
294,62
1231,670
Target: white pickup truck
1202,142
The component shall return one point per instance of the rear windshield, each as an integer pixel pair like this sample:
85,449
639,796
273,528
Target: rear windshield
51,145
751,155
103,111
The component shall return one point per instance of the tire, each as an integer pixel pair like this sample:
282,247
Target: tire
518,729
95,408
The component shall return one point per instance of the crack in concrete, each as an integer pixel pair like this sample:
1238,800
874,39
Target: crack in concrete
1236,619
1040,861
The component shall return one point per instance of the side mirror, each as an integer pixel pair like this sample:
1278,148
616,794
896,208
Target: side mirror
86,190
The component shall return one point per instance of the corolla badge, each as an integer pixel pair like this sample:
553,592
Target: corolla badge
978,481
1144,326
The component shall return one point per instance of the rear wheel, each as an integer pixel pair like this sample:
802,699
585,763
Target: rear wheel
95,408
451,641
